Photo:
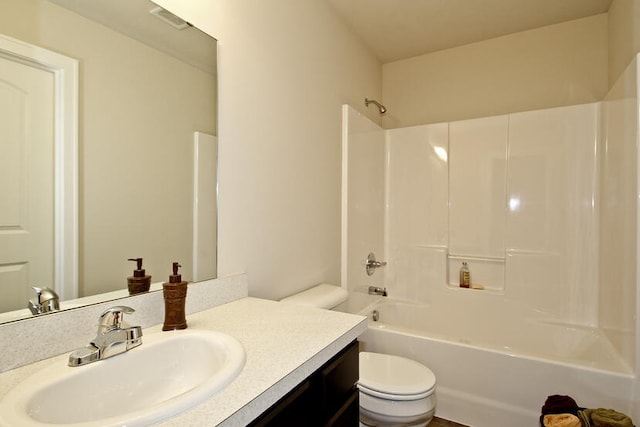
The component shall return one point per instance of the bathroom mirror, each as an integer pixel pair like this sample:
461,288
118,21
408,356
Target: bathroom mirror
146,92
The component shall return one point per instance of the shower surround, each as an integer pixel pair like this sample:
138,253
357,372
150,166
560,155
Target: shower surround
542,205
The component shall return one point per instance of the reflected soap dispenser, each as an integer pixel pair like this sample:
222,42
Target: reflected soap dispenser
175,297
465,275
139,282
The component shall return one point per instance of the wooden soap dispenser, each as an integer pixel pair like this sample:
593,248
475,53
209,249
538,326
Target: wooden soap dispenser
139,282
175,296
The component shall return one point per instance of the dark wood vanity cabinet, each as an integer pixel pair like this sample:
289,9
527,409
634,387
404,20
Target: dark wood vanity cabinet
328,397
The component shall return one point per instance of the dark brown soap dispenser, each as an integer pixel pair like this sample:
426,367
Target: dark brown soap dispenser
175,296
139,282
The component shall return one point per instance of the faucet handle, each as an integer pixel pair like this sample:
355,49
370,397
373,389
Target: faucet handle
113,317
372,264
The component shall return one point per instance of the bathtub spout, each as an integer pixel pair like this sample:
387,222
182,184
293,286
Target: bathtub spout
375,290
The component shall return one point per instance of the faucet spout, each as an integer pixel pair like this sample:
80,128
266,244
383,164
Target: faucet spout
84,355
376,290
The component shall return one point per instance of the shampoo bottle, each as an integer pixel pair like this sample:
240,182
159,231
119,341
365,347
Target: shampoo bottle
465,276
139,282
175,296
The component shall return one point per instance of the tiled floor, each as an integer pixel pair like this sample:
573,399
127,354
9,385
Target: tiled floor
439,422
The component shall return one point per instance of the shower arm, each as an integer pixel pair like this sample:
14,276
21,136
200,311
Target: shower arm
381,107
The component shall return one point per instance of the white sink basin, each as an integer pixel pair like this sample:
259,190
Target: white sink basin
169,373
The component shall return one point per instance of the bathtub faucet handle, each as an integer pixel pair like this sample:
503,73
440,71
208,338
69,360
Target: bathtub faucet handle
372,264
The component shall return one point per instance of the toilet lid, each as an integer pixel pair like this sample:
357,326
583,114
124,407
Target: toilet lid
385,374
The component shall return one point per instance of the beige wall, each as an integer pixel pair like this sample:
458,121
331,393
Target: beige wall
624,36
135,142
558,65
282,78
285,68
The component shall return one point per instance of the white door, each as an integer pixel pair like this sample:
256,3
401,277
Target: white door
26,181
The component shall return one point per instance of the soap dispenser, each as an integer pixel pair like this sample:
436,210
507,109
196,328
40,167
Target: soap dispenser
465,275
175,296
139,282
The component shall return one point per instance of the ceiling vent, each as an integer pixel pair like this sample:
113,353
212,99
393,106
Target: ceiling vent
168,17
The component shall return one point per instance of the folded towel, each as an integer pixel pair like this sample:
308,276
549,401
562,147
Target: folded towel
557,404
607,418
561,420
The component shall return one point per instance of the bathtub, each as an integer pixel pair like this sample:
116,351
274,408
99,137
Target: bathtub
492,373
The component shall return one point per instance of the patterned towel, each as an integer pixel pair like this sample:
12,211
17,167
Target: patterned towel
604,418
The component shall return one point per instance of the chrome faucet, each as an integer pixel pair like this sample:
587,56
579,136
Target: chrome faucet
114,337
375,290
47,300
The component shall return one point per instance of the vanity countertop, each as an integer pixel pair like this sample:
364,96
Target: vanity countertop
284,344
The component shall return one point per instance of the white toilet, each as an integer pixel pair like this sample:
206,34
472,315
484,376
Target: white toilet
394,391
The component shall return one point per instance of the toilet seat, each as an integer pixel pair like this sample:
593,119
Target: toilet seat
395,378
391,396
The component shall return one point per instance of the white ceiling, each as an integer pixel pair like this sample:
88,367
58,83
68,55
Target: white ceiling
398,29
132,18
391,29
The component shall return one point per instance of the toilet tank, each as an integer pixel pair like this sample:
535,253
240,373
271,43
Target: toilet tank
324,295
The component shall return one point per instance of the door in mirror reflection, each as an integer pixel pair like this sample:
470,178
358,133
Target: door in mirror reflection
26,181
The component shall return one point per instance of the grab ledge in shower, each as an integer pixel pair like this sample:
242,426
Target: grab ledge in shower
475,258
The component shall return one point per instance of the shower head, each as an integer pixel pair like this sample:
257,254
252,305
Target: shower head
381,107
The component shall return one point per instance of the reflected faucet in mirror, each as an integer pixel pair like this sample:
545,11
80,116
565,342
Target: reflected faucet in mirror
46,300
